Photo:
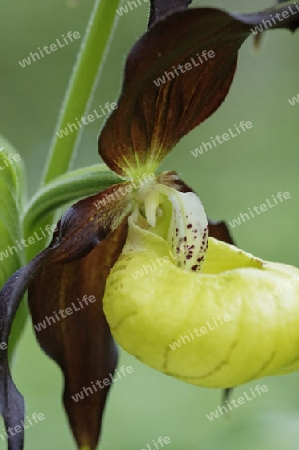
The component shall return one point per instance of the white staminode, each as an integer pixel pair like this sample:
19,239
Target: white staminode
151,205
188,230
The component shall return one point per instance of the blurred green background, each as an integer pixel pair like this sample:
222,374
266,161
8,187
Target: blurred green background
236,175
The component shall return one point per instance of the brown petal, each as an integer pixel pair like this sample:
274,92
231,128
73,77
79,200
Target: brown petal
171,179
11,401
219,230
160,8
150,120
80,343
79,231
90,221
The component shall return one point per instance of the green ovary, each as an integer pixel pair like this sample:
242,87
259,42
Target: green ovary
148,312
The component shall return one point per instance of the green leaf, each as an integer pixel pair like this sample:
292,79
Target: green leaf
12,199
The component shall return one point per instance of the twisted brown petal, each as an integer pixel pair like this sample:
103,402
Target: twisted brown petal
88,241
78,338
176,76
160,8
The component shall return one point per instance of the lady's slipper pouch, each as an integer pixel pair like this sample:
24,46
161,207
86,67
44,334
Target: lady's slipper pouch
219,325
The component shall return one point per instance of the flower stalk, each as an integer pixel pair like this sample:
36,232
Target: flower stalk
82,85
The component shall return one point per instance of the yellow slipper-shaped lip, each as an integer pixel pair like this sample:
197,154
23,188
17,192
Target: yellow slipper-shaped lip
235,321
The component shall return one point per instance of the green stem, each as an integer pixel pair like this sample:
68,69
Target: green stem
81,86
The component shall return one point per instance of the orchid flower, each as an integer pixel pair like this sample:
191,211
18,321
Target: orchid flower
147,218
